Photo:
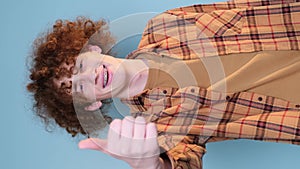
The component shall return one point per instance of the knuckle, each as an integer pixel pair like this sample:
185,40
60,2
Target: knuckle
115,122
140,120
129,118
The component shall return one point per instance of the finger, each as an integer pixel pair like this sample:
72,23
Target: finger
139,128
127,127
93,144
126,136
113,137
114,130
151,143
151,131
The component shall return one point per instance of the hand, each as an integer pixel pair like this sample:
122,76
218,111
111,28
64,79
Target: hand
130,140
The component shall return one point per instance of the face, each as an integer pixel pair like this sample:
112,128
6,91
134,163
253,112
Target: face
96,76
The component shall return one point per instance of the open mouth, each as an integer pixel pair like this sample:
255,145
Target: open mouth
105,76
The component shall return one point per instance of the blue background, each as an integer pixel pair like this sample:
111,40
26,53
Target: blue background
24,142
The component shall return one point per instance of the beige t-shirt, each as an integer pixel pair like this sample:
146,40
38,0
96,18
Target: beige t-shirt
272,73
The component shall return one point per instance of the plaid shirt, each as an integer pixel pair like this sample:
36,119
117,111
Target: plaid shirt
189,117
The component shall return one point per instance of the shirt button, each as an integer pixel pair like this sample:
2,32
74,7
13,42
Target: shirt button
260,99
165,91
192,90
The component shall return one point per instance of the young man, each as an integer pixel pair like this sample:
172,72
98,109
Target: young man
201,73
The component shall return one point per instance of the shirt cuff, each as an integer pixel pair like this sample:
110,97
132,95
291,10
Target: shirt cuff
186,156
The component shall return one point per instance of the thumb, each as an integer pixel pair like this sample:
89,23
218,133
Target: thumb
93,144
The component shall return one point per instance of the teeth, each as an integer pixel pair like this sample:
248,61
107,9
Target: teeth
105,77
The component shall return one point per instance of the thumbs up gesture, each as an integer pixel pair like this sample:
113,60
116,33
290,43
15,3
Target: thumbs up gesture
131,140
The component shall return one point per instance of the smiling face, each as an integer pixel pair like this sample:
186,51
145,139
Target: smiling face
97,76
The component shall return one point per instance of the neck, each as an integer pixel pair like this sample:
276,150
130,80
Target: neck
137,71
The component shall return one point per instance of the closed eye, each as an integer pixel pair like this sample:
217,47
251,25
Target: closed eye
78,68
81,66
81,87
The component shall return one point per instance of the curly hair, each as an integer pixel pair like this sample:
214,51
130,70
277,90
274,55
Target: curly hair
52,50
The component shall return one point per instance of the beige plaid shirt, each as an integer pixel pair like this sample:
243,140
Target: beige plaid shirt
189,117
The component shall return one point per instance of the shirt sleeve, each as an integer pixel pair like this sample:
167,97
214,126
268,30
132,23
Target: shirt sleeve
231,4
184,155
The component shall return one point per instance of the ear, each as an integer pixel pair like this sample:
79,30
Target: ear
95,48
94,106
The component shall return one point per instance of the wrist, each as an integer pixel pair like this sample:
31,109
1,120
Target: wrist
155,164
166,163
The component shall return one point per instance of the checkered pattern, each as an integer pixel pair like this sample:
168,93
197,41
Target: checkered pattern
187,118
223,28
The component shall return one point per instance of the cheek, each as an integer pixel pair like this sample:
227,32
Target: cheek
90,92
119,74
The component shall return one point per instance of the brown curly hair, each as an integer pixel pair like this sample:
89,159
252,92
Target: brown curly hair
51,52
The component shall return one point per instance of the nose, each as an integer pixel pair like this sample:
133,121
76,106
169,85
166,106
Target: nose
86,76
